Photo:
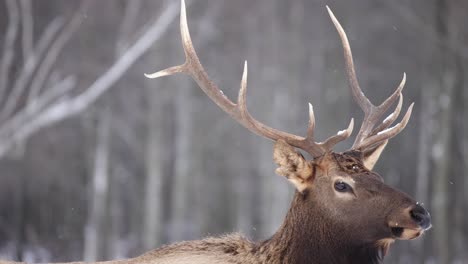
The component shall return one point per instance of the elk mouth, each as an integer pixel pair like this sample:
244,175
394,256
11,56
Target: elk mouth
404,233
397,231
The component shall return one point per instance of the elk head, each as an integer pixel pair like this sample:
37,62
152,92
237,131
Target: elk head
338,192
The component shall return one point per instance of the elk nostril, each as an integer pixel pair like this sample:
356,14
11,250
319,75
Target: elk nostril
421,216
418,217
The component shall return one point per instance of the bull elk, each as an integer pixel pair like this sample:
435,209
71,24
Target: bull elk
342,211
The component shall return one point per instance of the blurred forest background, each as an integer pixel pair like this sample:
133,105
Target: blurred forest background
97,162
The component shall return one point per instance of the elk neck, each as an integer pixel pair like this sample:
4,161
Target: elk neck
308,236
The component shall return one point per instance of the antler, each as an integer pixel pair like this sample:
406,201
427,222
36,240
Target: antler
369,137
239,112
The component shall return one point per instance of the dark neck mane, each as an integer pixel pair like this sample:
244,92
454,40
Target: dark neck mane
305,237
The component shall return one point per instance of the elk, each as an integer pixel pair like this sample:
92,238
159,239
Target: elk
342,211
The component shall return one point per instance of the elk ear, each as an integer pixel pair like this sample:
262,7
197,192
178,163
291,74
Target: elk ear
292,165
371,156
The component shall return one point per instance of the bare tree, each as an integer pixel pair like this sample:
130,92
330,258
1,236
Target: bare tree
33,102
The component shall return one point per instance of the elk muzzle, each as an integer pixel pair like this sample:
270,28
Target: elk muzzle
411,223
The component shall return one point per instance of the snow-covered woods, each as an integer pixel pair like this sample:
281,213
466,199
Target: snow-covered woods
99,162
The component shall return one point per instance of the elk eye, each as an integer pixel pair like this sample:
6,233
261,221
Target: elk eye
341,186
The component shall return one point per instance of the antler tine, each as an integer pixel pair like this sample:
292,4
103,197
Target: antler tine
372,113
329,143
387,133
383,107
311,127
358,95
390,118
263,130
193,67
340,136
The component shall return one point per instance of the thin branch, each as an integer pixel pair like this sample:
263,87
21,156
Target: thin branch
55,49
27,71
9,46
54,78
27,32
39,104
132,10
61,88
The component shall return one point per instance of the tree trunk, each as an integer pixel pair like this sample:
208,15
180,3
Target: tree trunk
95,229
